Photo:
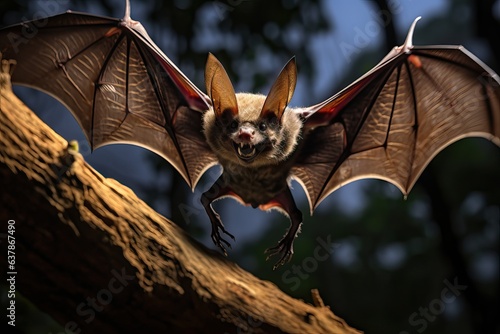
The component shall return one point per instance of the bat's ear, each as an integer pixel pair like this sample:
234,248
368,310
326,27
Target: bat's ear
282,91
219,87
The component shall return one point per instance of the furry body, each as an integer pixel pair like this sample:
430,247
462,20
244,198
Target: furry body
259,181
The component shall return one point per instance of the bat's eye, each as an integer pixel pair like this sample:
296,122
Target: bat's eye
233,125
263,126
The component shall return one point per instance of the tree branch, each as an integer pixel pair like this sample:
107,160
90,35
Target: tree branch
98,259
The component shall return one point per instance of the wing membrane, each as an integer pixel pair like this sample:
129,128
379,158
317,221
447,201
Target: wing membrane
117,83
394,120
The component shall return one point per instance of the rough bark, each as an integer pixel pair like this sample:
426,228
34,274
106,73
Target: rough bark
98,259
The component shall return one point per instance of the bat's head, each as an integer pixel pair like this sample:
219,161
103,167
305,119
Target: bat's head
251,128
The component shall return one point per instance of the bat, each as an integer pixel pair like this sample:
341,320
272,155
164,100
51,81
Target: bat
388,124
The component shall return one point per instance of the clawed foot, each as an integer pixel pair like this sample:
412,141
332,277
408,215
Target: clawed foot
283,248
216,237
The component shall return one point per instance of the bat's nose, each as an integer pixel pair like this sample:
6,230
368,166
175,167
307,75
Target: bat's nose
246,133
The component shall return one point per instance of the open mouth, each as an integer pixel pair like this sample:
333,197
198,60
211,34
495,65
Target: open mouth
246,152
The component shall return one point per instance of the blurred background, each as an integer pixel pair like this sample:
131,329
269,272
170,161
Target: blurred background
429,263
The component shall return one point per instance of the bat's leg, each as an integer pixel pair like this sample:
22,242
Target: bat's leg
216,191
285,246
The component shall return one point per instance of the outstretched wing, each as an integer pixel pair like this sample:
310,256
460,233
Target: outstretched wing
117,83
391,122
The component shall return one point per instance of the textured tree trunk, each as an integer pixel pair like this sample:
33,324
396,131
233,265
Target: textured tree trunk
98,259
